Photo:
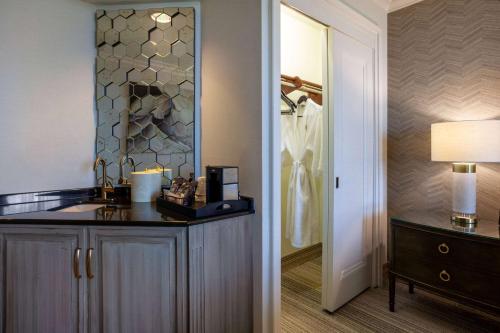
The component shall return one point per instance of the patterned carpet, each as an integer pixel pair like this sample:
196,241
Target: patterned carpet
420,312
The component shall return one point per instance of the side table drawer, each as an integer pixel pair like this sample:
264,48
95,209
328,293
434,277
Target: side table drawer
471,284
420,245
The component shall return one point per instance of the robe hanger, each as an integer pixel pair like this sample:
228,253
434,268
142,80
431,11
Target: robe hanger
288,102
302,99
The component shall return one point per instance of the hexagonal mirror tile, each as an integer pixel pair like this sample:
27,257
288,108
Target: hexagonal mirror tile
156,144
164,76
148,76
190,48
104,77
133,49
100,90
104,104
126,12
99,64
133,22
148,23
119,50
171,35
134,75
149,49
163,48
141,62
111,63
178,77
187,89
156,36
111,36
113,91
120,23
186,62
179,21
157,63
121,103
112,144
127,36
141,36
178,49
112,13
105,51
186,34
172,60
118,130
104,23
105,131
119,76
170,11
171,89
186,11
99,37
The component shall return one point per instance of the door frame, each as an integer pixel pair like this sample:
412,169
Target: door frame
339,16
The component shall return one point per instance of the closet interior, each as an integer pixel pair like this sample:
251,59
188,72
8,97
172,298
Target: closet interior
303,81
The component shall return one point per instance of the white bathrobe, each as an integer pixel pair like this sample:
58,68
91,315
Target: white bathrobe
302,151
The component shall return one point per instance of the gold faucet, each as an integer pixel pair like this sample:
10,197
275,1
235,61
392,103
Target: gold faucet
106,186
125,160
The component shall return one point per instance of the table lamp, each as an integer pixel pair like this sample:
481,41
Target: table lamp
465,143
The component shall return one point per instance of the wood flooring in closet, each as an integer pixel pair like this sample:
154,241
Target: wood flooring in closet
420,312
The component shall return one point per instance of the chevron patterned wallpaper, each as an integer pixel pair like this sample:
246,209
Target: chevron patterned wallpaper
444,65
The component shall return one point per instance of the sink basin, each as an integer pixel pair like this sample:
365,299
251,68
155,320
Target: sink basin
81,208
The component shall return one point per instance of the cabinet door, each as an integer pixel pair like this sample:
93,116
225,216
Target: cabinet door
139,280
41,290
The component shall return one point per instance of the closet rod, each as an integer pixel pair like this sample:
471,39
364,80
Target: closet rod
303,88
307,86
305,82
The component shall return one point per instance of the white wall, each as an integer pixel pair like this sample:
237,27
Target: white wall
301,46
47,129
231,104
231,114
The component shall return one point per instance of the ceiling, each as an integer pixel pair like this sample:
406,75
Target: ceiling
388,5
393,5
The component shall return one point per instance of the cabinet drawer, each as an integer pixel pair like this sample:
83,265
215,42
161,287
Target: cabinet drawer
420,245
453,278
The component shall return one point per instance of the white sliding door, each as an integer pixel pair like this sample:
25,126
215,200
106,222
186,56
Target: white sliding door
348,233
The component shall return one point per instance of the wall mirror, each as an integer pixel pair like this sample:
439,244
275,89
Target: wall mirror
146,96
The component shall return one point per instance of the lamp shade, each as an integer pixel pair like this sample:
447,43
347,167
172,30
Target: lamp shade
466,141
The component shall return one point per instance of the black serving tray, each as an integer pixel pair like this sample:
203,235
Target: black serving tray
200,210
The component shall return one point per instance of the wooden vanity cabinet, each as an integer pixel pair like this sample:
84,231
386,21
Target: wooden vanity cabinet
40,289
137,280
127,279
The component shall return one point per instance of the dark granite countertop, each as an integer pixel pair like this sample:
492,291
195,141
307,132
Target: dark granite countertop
441,221
134,214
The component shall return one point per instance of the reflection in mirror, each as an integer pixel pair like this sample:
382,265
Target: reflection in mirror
145,89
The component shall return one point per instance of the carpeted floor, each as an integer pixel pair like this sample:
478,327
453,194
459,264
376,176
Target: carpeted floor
420,312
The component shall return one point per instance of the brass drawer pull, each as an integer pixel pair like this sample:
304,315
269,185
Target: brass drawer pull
76,263
88,263
443,248
444,276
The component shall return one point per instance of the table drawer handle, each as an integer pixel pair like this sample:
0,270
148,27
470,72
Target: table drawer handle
443,248
445,276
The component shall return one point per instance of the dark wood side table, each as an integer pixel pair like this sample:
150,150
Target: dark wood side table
461,263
